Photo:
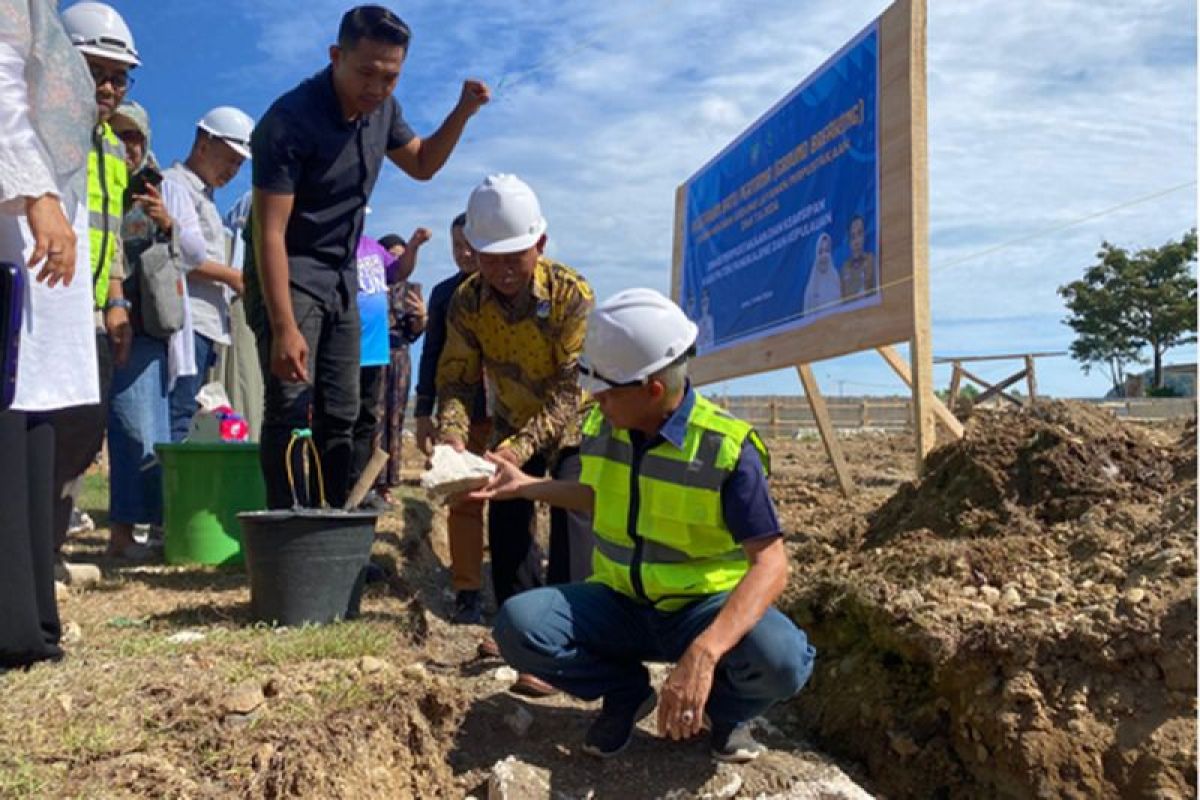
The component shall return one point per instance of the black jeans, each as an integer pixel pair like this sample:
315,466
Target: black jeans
370,417
516,558
329,405
29,625
78,437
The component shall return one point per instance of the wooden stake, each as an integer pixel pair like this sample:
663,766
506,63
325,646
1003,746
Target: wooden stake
955,384
1030,379
992,390
828,436
948,420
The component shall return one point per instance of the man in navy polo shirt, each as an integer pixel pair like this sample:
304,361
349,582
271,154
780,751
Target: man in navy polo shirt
317,153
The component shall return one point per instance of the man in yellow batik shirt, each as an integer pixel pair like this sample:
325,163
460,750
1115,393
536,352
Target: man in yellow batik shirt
520,321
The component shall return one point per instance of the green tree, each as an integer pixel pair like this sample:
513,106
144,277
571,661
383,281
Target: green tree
1129,302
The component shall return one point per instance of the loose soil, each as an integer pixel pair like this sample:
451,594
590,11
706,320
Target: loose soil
1019,623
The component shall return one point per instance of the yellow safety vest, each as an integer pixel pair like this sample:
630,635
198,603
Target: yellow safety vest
661,535
107,178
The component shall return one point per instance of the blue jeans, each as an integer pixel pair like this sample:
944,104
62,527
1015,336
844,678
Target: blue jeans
183,396
591,642
138,418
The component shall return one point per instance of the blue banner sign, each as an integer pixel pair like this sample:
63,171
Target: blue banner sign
782,227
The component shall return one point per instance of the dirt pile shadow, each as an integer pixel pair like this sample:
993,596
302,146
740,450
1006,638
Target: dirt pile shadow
1019,623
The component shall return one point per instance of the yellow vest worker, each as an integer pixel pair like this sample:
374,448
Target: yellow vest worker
688,559
107,179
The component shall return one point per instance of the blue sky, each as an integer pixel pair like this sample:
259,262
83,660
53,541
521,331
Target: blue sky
1040,113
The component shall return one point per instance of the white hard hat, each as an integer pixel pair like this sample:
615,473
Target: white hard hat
630,336
503,216
232,125
98,30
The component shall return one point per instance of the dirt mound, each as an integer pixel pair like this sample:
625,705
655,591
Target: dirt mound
1020,623
1021,468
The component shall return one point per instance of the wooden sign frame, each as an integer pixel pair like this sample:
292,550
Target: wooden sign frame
903,313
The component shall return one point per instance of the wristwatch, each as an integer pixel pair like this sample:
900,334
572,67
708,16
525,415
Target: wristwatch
118,302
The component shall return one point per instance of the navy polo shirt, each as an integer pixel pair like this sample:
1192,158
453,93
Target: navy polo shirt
745,497
305,147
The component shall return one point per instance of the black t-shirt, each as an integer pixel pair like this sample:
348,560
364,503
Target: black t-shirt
303,146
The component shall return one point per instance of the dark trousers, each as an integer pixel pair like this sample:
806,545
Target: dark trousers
78,437
370,417
183,394
29,625
329,405
516,558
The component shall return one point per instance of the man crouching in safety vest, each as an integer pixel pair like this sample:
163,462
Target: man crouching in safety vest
688,559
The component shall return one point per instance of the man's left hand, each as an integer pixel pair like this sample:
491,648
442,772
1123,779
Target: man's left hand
120,334
685,693
475,95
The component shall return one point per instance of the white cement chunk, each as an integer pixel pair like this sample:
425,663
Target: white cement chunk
454,472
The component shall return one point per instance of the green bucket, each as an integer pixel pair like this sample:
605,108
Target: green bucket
205,487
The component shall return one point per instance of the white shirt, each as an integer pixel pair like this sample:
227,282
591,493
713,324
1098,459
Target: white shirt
56,365
181,347
209,300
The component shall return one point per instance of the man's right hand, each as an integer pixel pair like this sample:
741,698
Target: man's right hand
506,484
426,430
53,240
289,355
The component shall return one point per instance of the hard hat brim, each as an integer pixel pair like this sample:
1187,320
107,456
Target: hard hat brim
240,149
111,55
592,385
514,244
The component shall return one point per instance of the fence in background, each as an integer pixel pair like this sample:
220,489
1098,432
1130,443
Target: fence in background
786,415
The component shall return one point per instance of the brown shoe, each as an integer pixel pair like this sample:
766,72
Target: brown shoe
488,648
532,686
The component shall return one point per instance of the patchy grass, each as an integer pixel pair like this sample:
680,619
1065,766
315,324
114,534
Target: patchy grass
21,778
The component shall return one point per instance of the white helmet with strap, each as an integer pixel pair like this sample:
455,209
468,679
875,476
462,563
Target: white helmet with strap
630,336
98,30
231,125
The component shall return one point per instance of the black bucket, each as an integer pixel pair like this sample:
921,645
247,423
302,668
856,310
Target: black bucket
306,565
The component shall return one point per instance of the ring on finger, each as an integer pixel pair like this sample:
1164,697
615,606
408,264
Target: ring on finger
687,717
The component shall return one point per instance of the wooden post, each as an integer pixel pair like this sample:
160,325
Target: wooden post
955,384
921,343
865,419
774,418
1030,379
948,420
828,435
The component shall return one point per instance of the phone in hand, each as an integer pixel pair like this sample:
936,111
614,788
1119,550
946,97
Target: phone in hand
12,301
148,176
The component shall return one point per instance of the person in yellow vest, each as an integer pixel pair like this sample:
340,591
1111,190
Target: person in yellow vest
688,559
102,37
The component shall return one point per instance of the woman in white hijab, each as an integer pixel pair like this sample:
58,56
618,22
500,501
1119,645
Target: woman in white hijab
47,112
824,290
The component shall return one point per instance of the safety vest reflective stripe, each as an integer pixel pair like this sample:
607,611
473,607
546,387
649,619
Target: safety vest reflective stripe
98,220
107,179
657,553
701,472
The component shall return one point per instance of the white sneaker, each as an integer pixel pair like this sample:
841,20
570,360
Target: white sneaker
81,522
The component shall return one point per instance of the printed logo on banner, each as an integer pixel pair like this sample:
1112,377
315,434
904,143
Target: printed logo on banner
782,227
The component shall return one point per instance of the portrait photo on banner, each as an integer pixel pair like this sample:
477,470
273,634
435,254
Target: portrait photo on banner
781,228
